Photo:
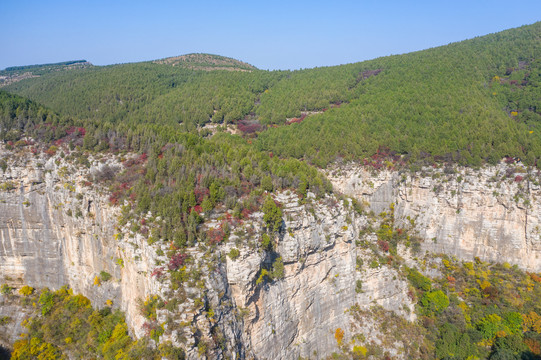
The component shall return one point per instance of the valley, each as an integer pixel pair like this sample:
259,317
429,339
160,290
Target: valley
196,207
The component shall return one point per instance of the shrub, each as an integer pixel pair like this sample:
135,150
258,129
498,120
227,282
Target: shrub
419,280
435,301
46,300
105,276
266,242
234,254
278,271
26,290
215,236
7,186
6,289
272,215
339,335
266,184
177,261
383,245
490,325
148,307
264,273
360,350
359,287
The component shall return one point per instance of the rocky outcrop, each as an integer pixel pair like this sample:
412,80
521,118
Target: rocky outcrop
492,213
56,229
299,314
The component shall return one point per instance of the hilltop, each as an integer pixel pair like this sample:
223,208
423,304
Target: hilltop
206,62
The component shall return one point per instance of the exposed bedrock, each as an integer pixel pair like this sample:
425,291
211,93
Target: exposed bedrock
493,213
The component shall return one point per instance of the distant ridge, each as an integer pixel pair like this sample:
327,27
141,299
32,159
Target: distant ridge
14,74
207,62
55,65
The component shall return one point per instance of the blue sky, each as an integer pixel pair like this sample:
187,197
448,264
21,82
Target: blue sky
268,34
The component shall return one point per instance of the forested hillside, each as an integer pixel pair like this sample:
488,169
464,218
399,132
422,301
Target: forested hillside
469,102
473,101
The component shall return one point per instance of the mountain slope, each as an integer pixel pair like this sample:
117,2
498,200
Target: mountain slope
445,101
472,101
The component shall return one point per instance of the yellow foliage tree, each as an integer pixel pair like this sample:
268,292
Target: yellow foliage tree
531,321
339,335
26,290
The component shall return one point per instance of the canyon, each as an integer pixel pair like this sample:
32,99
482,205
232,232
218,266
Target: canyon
58,228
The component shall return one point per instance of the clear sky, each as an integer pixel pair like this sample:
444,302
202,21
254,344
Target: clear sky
267,34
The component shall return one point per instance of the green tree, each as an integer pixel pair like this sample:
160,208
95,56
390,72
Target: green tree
266,184
435,301
272,214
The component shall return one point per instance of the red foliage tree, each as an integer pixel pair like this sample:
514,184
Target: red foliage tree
215,236
176,261
158,272
383,245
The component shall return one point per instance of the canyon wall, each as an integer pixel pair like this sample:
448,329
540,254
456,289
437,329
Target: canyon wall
493,213
57,229
297,316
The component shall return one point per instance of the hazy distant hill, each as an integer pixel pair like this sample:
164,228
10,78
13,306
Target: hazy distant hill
17,73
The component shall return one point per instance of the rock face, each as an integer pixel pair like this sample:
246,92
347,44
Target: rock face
11,329
299,314
493,213
55,231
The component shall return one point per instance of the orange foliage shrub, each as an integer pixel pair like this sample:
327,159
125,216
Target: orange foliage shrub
531,321
339,335
535,277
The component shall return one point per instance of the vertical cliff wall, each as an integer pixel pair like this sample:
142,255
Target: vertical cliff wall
57,229
297,316
493,213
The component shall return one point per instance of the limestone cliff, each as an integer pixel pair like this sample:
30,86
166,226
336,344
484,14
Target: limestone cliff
493,213
57,228
298,315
